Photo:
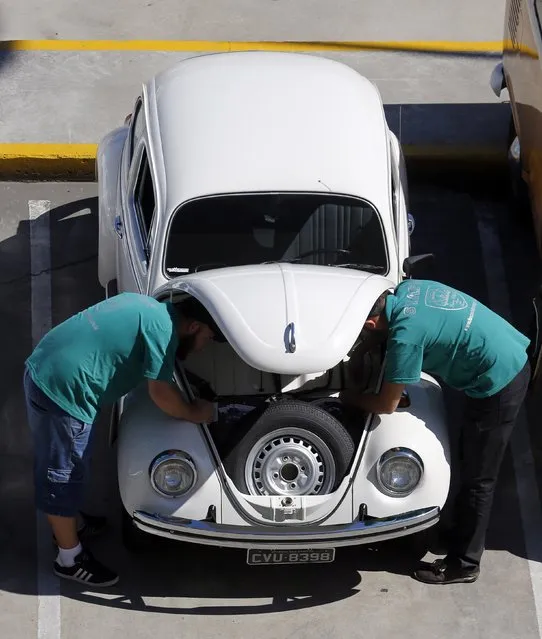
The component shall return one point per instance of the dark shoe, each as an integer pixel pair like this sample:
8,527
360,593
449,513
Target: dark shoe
445,571
89,526
88,571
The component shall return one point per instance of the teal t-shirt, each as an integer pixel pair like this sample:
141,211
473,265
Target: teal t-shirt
446,333
103,352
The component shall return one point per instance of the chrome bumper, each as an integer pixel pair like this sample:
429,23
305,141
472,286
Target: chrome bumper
358,532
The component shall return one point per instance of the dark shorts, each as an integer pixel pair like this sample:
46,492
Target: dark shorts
60,453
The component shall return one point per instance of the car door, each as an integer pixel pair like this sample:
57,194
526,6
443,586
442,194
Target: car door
138,212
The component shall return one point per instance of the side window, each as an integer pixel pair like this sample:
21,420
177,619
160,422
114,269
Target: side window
138,127
144,198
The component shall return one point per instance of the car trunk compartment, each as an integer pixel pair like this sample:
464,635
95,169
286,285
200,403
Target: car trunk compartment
244,395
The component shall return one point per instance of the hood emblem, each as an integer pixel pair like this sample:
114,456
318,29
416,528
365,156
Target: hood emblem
289,338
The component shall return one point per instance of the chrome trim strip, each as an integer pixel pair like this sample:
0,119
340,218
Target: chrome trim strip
209,533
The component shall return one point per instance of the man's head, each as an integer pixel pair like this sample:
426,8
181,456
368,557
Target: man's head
196,327
376,320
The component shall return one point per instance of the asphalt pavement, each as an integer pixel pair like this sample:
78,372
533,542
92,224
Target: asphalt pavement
209,593
248,20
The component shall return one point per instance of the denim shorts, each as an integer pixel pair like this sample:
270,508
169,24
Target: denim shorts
61,453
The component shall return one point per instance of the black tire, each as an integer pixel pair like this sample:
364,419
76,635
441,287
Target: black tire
133,539
293,414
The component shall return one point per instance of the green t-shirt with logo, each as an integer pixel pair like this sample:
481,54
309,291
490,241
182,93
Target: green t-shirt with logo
446,333
97,356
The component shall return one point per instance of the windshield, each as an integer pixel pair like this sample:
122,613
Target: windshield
246,229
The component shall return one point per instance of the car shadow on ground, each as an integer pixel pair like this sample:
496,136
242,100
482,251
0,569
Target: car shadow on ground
217,581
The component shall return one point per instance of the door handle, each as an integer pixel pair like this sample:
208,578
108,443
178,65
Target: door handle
118,226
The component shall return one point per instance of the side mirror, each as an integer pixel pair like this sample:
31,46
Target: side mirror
413,264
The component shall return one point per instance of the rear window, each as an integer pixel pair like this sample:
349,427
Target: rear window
249,229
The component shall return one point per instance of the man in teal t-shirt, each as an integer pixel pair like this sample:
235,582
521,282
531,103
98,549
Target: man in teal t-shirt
89,361
432,327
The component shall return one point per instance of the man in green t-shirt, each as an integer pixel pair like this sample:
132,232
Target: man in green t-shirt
432,327
89,361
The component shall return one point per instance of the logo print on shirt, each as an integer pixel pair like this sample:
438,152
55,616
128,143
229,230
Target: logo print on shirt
409,310
444,298
413,293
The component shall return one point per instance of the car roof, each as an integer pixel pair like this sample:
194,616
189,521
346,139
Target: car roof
268,121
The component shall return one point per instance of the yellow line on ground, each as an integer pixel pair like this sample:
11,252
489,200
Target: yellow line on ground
443,46
45,151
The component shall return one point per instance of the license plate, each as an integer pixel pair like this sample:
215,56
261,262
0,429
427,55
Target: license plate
257,557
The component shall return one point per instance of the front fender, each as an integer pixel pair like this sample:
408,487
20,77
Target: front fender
422,428
145,432
108,161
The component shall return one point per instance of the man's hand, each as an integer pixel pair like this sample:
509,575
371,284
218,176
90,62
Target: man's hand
384,402
201,411
169,399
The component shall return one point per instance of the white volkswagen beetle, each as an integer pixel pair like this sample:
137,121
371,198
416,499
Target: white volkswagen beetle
269,187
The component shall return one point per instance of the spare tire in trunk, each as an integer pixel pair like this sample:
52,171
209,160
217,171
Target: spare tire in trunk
293,448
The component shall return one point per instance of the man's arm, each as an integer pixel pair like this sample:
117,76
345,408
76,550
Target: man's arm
168,398
384,402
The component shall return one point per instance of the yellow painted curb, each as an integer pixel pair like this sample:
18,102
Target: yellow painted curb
428,46
78,161
47,161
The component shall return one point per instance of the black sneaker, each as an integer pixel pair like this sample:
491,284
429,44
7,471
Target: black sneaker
88,571
446,571
88,526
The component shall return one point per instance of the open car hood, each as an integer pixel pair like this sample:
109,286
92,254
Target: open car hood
284,318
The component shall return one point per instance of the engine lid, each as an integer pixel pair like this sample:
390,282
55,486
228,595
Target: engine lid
285,318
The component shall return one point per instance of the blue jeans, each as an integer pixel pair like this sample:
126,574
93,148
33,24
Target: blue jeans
61,453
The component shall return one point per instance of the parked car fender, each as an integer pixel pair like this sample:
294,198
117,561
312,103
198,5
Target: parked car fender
145,432
108,162
421,428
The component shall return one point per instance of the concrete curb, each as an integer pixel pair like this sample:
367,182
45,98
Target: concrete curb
77,162
47,162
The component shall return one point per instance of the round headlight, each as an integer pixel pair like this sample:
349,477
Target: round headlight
172,473
399,471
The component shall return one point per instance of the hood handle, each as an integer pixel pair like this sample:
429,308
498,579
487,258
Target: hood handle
289,338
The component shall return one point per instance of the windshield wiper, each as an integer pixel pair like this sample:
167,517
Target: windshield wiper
372,268
362,267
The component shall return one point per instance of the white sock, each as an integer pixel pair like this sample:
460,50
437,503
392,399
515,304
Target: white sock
66,556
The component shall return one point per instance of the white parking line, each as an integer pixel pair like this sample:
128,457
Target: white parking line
48,587
527,487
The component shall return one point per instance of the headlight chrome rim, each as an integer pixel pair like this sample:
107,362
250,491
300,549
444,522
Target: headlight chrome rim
398,453
168,456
